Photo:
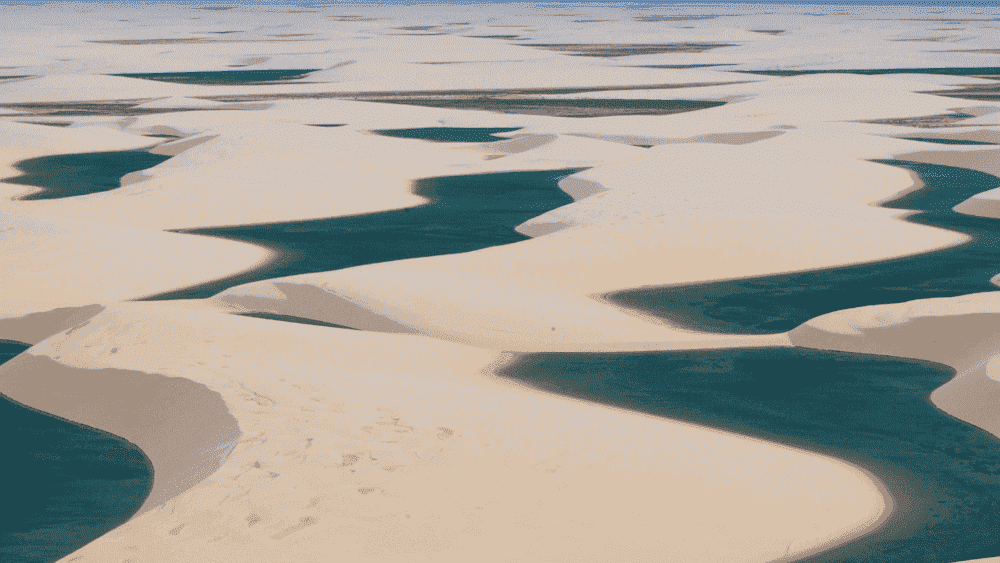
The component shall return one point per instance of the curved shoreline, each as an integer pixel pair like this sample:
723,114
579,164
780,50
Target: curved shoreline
67,175
69,483
777,303
465,213
881,422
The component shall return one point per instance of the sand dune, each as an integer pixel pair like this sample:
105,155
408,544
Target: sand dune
397,441
384,457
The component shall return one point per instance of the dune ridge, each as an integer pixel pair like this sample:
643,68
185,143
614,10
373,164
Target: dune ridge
397,441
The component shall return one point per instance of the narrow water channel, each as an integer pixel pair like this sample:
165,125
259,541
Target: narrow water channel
62,484
464,213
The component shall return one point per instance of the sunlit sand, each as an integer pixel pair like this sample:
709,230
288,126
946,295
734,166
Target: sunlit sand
364,412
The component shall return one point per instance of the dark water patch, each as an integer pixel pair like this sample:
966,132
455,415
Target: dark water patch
11,77
492,36
947,141
225,77
952,71
774,304
465,213
448,134
292,319
872,411
162,136
326,124
769,31
565,107
49,123
64,484
67,175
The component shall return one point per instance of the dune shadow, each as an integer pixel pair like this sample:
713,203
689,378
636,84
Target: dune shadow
225,77
65,484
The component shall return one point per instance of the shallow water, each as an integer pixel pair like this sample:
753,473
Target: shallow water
224,77
449,134
67,175
873,411
465,213
64,484
947,141
775,304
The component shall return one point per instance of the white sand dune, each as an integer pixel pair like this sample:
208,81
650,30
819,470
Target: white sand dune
418,455
60,262
284,442
762,213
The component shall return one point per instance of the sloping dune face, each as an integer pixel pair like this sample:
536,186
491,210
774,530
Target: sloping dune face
699,283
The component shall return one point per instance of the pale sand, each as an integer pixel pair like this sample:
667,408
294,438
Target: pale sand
774,181
762,214
60,262
418,455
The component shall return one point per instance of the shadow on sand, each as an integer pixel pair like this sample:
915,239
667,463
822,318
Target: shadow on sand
65,484
775,304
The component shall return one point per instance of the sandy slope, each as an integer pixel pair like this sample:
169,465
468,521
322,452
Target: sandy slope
376,446
417,455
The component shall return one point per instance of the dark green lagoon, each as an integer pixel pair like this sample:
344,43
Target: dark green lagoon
947,141
872,411
225,77
465,213
64,484
67,175
449,134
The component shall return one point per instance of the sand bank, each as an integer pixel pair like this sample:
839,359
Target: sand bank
383,456
320,468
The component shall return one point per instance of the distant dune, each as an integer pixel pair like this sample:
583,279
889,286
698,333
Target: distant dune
297,256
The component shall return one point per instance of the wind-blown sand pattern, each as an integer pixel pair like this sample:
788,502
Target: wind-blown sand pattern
351,277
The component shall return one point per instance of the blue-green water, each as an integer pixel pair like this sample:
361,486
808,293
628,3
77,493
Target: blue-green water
465,213
774,304
63,484
67,175
873,411
947,141
225,77
449,134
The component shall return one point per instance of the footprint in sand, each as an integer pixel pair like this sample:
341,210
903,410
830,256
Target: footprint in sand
304,522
